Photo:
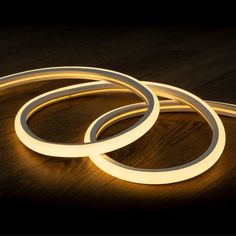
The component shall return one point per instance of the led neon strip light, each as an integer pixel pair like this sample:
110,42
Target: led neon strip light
80,150
112,167
145,176
165,175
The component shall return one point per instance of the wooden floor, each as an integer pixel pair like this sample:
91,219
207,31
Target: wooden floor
199,59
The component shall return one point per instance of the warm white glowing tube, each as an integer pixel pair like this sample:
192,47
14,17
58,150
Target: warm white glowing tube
79,150
165,175
145,176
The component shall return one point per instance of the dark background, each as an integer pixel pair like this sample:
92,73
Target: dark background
190,46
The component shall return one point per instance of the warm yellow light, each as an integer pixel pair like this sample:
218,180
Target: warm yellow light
166,175
180,101
79,150
147,176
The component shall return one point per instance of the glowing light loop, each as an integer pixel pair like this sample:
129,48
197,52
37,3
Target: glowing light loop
80,150
180,101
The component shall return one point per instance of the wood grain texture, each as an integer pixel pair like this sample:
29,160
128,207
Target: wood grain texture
199,59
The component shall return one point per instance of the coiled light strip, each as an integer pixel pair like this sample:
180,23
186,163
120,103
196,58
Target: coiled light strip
165,175
137,175
80,150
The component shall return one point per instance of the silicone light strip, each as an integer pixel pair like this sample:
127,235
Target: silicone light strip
74,150
145,176
165,175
